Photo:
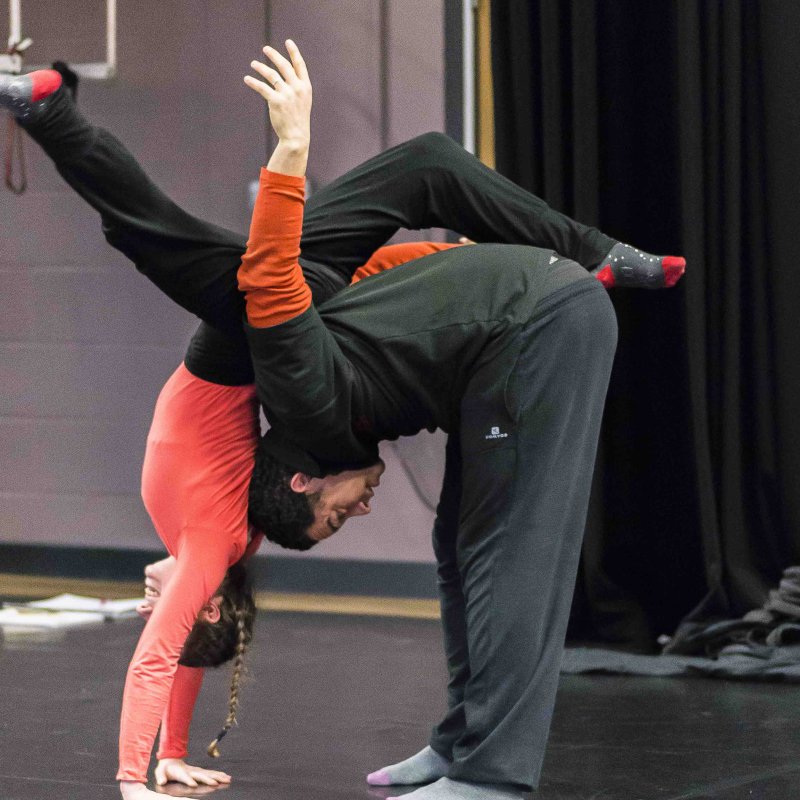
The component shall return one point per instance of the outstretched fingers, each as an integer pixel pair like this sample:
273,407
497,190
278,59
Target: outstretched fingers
260,87
285,67
297,60
287,90
289,74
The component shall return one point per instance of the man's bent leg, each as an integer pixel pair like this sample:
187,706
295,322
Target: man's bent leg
193,262
451,600
522,519
433,762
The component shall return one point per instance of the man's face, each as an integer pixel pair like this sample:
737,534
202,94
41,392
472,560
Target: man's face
341,496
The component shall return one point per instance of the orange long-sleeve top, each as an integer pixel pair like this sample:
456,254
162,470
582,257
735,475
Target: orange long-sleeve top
196,473
195,478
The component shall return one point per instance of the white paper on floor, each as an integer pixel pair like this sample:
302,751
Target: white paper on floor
66,611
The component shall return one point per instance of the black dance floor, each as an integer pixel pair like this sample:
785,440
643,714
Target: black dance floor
331,698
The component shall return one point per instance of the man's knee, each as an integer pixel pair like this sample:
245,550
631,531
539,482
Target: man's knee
592,318
605,317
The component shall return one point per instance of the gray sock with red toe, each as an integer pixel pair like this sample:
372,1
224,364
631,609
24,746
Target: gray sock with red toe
26,96
626,266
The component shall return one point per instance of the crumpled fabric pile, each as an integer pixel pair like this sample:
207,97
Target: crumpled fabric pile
757,634
763,645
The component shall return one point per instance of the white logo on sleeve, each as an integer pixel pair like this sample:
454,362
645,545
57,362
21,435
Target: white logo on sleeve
496,434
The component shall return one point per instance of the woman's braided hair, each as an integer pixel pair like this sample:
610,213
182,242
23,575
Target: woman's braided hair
210,644
238,670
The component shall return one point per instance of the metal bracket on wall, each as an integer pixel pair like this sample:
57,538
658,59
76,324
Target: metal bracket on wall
98,70
10,64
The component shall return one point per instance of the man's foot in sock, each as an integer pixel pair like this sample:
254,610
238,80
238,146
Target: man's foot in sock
628,267
424,767
25,96
445,789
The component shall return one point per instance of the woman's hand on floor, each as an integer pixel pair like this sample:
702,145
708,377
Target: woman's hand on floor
156,577
176,769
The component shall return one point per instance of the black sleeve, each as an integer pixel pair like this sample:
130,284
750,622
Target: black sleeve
310,391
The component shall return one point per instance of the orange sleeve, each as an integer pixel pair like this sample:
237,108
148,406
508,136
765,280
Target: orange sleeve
394,255
177,718
270,275
174,735
202,562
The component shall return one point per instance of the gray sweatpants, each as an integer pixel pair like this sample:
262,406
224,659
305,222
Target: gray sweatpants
509,527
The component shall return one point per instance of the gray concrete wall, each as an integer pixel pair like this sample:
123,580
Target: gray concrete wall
85,342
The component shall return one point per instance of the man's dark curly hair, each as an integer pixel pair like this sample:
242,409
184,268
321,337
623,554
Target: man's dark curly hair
275,508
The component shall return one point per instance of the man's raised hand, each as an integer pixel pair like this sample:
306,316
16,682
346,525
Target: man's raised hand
287,90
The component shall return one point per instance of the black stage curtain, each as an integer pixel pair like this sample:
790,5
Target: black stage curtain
674,126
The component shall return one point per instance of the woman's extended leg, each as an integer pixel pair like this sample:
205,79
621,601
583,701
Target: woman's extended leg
191,261
431,181
428,181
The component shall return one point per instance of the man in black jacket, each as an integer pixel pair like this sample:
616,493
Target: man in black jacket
508,349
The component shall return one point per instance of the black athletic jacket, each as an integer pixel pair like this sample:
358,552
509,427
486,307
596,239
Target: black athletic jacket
396,353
